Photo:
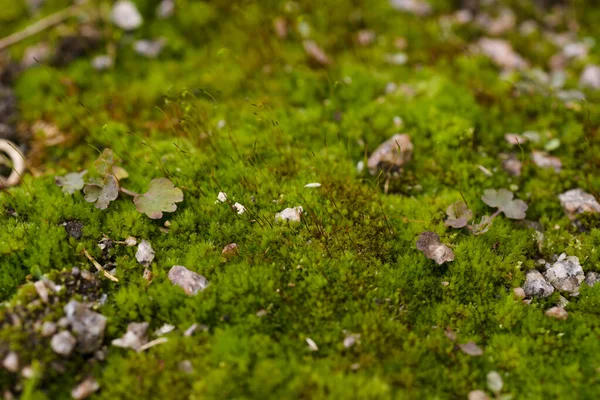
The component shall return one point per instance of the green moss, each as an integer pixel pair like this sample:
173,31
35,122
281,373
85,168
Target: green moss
351,265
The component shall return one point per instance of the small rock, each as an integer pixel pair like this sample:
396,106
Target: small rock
478,395
189,281
501,53
562,302
576,201
27,372
87,325
365,37
35,54
591,278
557,312
566,274
131,241
126,16
396,58
391,155
41,290
149,48
545,160
239,208
312,345
74,229
48,328
145,253
148,274
102,62
590,77
536,285
85,389
261,313
512,165
350,340
63,343
222,197
290,214
163,330
280,26
519,293
416,7
186,366
316,53
134,338
230,250
11,362
471,349
165,9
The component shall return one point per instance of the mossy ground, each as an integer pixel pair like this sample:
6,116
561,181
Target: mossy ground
351,266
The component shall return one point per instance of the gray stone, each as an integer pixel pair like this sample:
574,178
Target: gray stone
87,325
591,278
126,16
48,328
576,201
165,9
391,155
63,343
536,285
290,214
501,53
189,281
85,389
590,77
149,48
145,253
11,362
566,274
134,338
557,313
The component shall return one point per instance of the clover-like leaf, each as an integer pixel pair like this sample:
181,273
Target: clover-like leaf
71,182
120,172
503,200
102,192
105,161
160,197
458,215
429,243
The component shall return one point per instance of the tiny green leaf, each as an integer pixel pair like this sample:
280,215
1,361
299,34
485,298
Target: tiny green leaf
102,192
503,201
458,215
160,197
71,182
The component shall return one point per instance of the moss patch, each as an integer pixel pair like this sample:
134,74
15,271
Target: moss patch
230,106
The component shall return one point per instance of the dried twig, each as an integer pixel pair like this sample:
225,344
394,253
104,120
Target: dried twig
153,343
99,267
42,25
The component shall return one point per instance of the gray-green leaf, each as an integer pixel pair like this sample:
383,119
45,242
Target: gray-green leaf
458,215
102,192
160,197
503,200
71,182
